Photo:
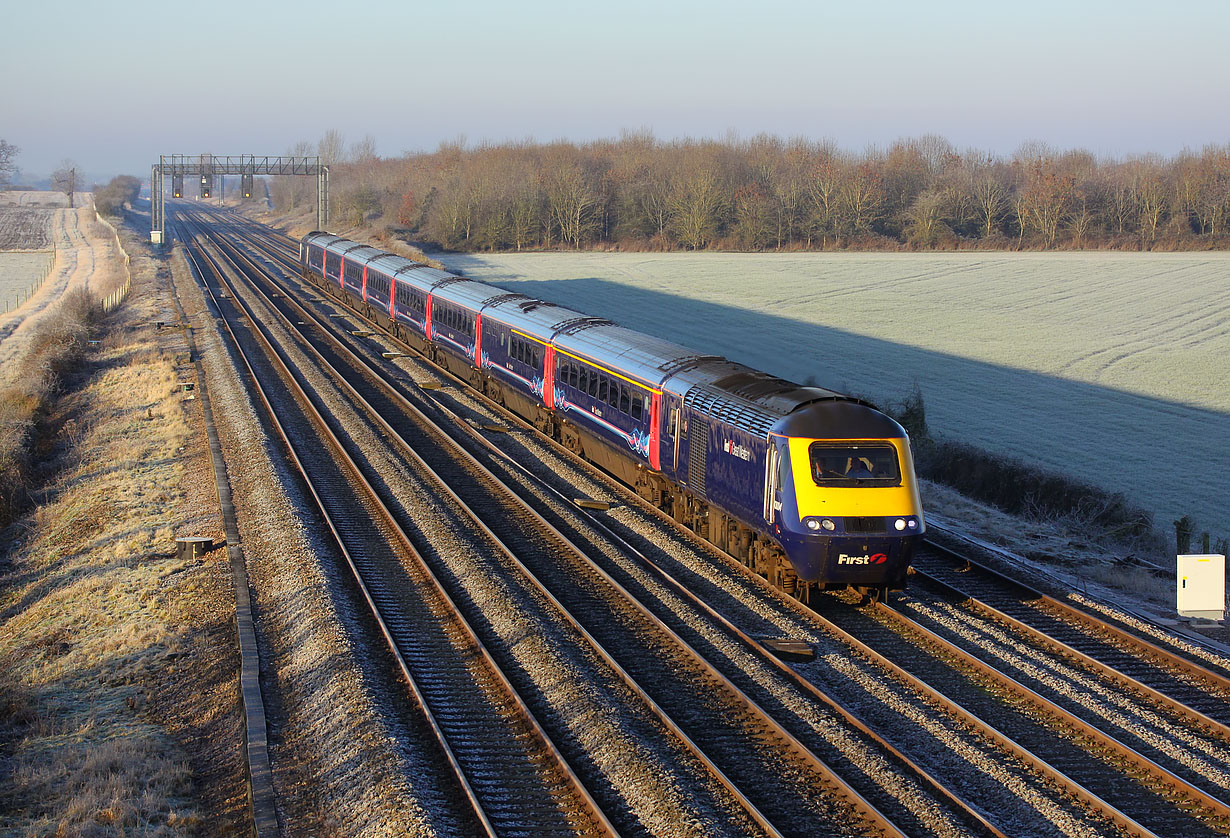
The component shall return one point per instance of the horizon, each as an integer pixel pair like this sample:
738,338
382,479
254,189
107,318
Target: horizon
1114,79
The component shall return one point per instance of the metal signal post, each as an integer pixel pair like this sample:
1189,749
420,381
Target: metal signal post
247,166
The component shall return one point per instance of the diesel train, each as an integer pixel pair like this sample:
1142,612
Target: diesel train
806,486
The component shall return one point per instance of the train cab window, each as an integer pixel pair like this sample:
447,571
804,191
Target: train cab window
843,464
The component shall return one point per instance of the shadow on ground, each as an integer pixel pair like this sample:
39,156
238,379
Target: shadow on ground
1160,454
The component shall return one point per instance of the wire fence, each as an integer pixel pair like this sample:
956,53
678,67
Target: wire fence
109,303
116,297
25,294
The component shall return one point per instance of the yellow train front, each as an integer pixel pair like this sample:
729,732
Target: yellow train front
846,508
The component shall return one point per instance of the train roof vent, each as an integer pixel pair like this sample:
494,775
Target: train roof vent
409,267
772,393
502,298
578,324
449,280
731,410
529,304
677,365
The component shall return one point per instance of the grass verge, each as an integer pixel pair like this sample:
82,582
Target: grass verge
119,671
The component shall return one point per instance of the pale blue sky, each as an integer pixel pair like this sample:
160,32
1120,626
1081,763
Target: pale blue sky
113,85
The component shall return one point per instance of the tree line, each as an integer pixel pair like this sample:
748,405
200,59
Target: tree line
637,192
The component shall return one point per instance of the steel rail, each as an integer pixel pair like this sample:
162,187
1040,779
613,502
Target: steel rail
1211,726
1150,768
758,649
1092,621
523,710
801,750
1055,775
1062,715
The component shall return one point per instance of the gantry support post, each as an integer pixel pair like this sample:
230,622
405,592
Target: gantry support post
157,205
322,197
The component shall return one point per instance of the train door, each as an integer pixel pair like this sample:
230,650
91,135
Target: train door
548,377
772,483
774,462
672,433
364,291
655,432
478,340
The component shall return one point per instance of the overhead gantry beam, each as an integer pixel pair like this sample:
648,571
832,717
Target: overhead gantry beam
208,165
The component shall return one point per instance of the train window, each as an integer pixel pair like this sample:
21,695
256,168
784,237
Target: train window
844,464
612,397
603,384
637,414
625,401
583,380
593,383
572,374
537,356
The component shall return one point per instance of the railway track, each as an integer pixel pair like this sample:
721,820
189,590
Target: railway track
739,744
1081,761
505,768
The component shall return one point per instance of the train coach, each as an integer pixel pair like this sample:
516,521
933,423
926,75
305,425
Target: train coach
806,486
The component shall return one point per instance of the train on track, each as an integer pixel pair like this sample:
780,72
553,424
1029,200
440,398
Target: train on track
806,486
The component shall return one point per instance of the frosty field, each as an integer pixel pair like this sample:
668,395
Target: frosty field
1112,367
17,272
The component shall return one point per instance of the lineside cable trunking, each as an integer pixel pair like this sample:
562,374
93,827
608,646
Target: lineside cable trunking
1201,586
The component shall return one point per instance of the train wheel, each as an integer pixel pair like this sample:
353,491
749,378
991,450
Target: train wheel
873,593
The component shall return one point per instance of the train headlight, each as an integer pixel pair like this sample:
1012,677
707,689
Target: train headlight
912,523
813,524
899,524
828,524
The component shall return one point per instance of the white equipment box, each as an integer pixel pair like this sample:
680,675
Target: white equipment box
1201,582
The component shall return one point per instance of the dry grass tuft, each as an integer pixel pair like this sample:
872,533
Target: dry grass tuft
55,348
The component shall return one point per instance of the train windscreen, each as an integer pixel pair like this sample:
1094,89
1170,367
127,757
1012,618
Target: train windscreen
844,464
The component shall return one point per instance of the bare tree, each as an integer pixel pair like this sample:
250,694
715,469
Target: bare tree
696,206
332,148
7,167
990,198
364,150
925,219
65,179
1045,200
570,197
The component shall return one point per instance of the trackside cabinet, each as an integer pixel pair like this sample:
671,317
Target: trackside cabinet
1201,584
